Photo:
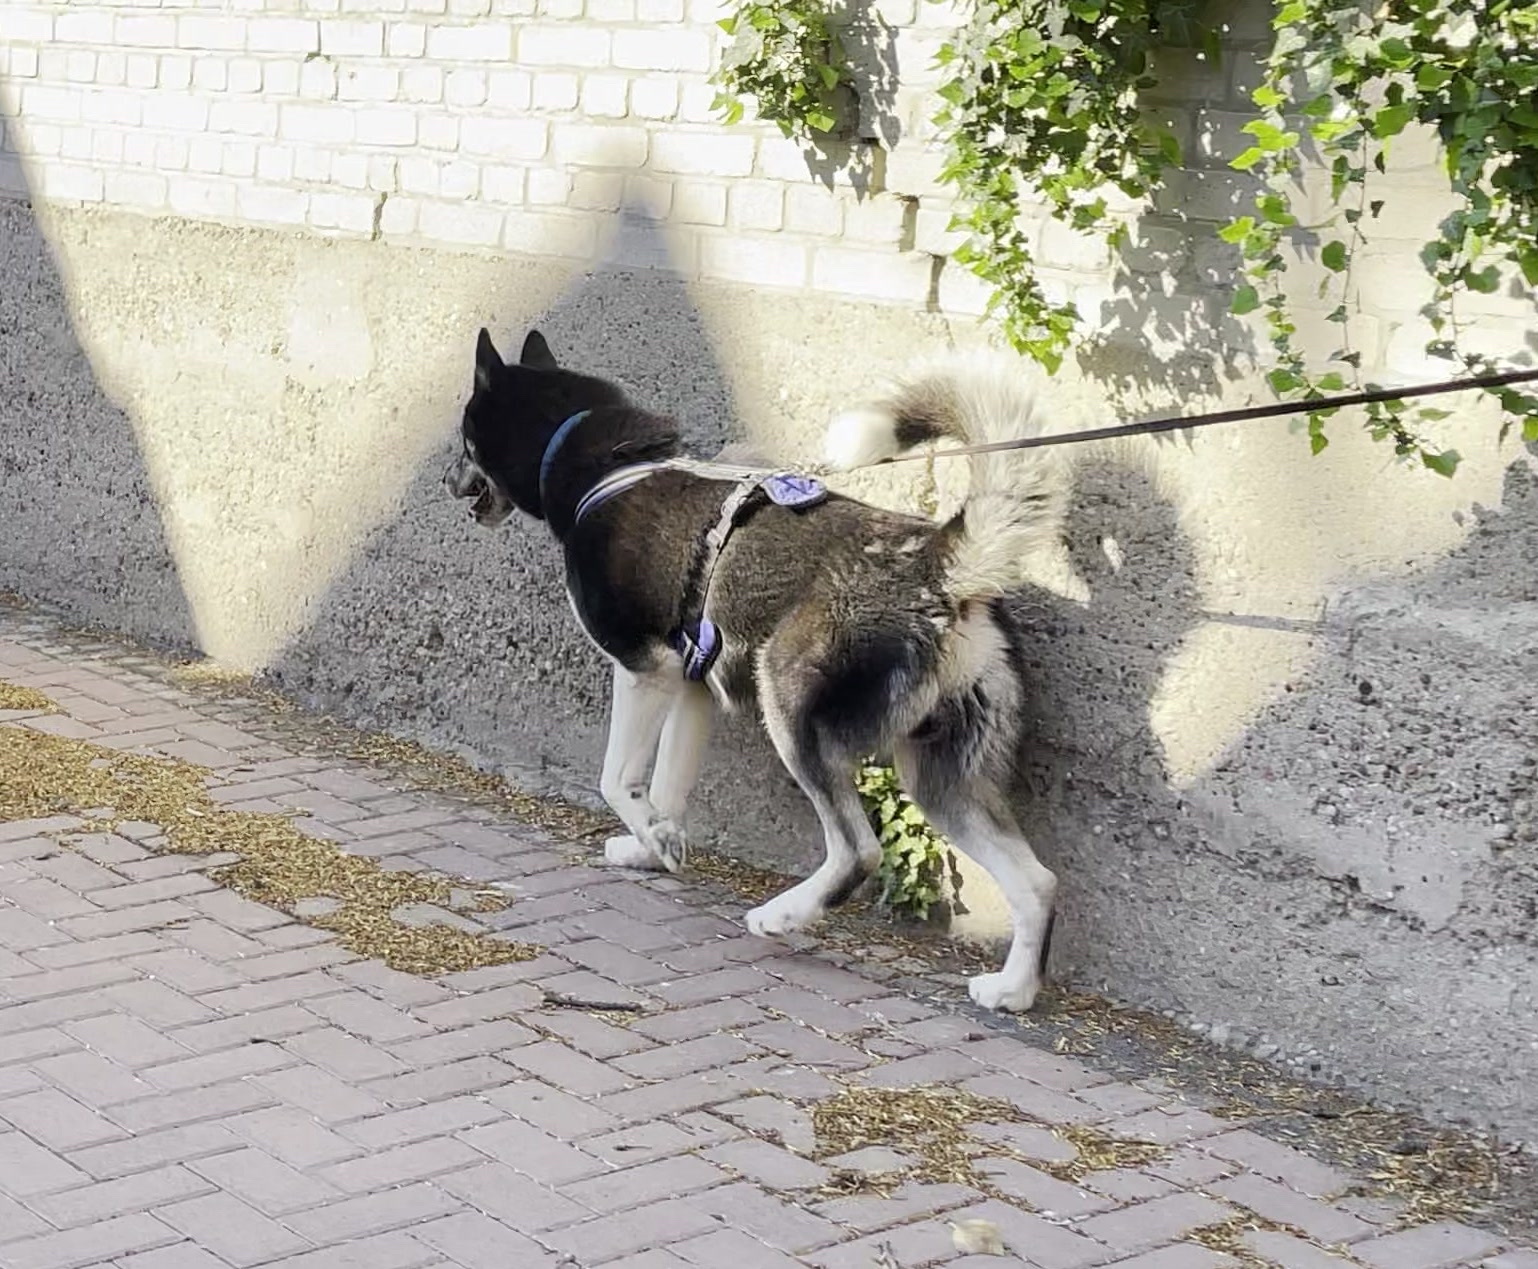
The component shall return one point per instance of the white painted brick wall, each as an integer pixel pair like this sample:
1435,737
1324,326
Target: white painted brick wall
570,128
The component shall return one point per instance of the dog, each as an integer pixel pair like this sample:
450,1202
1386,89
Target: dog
854,630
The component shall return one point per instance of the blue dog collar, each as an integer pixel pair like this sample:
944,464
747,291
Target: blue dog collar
555,443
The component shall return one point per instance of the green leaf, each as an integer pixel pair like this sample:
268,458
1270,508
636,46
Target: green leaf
1333,257
1445,463
1282,380
1246,300
1390,121
1317,441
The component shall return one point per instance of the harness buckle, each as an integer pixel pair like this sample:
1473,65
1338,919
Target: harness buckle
698,644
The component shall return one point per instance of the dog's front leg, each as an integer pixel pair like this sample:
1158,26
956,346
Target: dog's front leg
640,709
684,738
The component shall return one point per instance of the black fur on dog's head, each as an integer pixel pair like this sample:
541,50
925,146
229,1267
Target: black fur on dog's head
513,412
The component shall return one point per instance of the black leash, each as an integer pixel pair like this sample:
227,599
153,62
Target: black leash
1179,424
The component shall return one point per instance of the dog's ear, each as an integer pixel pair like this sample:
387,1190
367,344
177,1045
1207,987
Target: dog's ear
487,360
536,353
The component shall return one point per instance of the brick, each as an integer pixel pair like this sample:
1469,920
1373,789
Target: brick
1167,1126
1278,1203
86,1205
267,1184
89,1244
551,1109
478,42
66,982
93,1079
629,1147
319,1093
404,1164
1278,1163
350,38
215,1101
57,1120
373,1213
294,1138
702,154
1161,1220
731,1247
420,1122
608,1237
146,1151
566,1069
392,1250
699,1020
1288,1252
645,1183
766,1165
27,1169
475,1241
473,1041
909,1202
662,49
563,45
516,140
513,1199
282,35
1181,1256
212,1068
534,1153
780,1224
592,1036
344,1055
1427,1247
18,1222
233,1231
1042,1193
263,1025
178,1256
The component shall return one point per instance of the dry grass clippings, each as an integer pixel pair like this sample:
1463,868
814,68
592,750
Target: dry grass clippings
43,775
14,696
931,1124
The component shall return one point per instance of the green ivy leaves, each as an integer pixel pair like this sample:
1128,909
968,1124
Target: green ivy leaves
1350,80
786,57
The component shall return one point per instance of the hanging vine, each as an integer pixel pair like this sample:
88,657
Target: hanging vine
1041,110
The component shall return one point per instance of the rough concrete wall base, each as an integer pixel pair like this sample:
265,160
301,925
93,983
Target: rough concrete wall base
1283,761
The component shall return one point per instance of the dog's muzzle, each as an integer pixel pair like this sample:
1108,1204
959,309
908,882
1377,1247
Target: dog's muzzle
465,479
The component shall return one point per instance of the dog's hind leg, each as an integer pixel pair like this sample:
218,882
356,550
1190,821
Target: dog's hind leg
824,768
639,713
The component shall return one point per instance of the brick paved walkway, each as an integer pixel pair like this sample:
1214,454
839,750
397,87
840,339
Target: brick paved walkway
189,1080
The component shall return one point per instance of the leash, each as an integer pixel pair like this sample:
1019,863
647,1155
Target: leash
1180,423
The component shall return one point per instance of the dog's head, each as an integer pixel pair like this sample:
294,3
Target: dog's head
513,412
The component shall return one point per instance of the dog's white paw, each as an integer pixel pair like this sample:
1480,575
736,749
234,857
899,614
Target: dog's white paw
784,914
631,852
669,844
1002,991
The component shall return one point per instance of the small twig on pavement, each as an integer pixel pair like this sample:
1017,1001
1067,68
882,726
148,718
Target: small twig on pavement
577,1002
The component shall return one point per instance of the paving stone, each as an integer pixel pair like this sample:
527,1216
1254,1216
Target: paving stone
1427,1247
234,1231
89,1244
551,1109
373,1213
1277,1162
1288,1252
476,1241
266,1183
609,1237
767,1165
516,1200
536,1154
731,1247
1278,1203
772,1220
124,1196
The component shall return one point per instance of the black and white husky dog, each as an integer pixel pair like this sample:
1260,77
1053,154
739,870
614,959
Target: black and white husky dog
856,630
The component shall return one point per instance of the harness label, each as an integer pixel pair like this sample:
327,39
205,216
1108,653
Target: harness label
788,490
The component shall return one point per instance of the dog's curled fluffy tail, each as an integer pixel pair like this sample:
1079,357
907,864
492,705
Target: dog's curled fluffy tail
1010,529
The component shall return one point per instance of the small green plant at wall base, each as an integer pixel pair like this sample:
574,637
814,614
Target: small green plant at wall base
913,855
786,57
1043,109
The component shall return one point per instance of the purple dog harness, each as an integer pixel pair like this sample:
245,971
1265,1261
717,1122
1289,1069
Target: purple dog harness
699,641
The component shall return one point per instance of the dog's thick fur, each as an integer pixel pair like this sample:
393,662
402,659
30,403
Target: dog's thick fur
856,630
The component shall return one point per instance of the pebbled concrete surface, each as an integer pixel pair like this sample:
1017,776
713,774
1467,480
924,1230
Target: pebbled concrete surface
189,1080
